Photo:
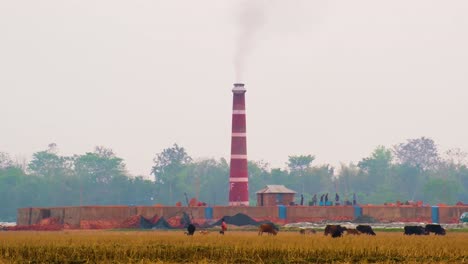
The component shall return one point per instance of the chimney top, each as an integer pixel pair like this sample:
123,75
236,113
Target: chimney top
238,88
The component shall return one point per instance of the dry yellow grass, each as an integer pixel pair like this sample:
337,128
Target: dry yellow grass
234,247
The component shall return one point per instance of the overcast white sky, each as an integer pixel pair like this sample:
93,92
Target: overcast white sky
329,78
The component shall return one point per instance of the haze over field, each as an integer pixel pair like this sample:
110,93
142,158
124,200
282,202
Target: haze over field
333,79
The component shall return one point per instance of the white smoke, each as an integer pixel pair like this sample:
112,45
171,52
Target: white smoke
251,18
258,18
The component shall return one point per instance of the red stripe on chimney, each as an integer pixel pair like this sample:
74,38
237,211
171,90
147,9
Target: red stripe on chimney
238,173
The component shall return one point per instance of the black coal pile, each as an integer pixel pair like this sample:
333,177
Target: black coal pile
238,220
161,224
145,223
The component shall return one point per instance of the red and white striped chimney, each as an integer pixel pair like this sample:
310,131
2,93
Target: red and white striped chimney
238,175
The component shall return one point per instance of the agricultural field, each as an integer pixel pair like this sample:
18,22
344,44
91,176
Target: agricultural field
234,247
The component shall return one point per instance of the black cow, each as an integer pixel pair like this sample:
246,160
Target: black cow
436,229
190,229
334,230
415,230
365,229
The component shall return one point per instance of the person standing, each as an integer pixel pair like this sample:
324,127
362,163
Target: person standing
337,199
354,198
314,200
326,199
223,227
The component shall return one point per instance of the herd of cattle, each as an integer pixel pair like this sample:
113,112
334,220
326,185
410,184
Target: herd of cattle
419,230
338,230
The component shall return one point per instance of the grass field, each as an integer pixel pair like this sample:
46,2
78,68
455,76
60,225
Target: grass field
234,247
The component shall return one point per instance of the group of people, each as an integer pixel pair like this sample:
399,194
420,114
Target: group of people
324,200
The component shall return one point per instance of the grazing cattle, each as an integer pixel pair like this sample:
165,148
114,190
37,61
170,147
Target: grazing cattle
415,230
267,228
190,229
307,231
204,232
334,230
352,231
365,229
436,229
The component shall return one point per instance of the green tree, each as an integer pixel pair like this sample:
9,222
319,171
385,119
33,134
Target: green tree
138,191
300,163
376,169
278,176
380,159
315,180
100,166
5,160
300,178
453,169
421,153
349,180
409,181
171,171
100,175
462,175
212,177
48,164
259,177
417,159
16,191
55,173
438,190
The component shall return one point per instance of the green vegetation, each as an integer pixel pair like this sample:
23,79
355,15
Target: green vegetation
234,247
413,170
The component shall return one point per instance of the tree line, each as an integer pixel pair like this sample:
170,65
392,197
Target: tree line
413,170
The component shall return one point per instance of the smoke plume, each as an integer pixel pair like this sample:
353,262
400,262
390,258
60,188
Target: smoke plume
250,17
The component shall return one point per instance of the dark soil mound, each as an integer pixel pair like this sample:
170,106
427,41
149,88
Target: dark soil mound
145,223
238,220
162,224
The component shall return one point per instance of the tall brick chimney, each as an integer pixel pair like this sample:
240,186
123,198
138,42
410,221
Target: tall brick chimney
238,175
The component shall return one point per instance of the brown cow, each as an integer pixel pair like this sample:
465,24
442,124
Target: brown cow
307,231
267,228
352,231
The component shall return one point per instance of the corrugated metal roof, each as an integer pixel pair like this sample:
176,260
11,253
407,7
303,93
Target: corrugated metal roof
275,189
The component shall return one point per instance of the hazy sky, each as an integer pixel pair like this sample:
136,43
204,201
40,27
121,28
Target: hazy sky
333,79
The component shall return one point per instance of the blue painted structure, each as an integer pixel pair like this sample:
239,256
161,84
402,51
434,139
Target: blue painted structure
282,212
209,212
435,214
357,211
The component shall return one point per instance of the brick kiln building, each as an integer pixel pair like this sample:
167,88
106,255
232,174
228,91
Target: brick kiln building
273,195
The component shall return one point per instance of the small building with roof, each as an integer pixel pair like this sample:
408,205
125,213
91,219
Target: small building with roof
273,195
